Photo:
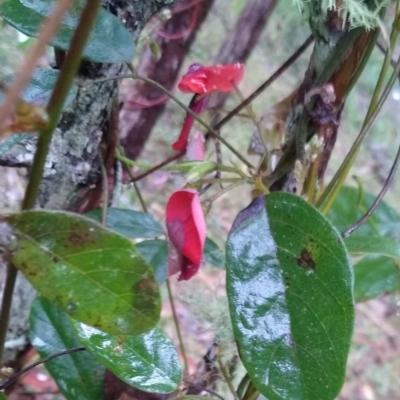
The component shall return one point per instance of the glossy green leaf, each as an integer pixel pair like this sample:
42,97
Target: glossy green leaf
374,276
129,223
148,362
155,252
94,275
213,254
78,375
289,286
109,41
348,209
38,91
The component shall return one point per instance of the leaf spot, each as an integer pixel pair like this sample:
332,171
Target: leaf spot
306,260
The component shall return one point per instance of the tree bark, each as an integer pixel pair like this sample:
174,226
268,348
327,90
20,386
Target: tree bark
317,106
73,161
136,121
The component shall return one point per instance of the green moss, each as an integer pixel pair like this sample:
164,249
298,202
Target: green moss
359,13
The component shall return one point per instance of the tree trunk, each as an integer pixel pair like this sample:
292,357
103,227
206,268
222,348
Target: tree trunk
73,160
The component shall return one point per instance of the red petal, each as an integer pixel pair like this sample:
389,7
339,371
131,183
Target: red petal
196,105
186,229
201,79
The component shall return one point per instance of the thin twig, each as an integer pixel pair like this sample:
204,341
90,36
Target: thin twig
15,376
140,197
202,388
197,118
104,185
46,33
177,325
157,167
379,198
223,191
225,374
267,83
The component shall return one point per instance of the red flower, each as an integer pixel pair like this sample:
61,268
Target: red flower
186,228
200,79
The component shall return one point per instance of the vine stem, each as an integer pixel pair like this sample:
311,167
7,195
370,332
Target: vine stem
196,117
160,87
14,377
54,109
379,198
226,376
267,83
177,326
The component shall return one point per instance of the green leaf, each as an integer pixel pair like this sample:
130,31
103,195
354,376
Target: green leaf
38,91
94,275
148,362
129,223
109,41
375,276
348,209
3,396
213,254
372,245
289,286
155,252
79,376
40,87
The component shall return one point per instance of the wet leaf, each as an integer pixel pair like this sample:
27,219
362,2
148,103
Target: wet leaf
94,275
213,254
148,362
78,376
129,223
289,286
109,41
374,276
155,252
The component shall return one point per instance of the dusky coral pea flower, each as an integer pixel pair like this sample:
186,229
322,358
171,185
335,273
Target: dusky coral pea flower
201,80
186,228
217,78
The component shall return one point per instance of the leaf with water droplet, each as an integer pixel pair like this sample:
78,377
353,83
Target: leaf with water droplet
289,284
